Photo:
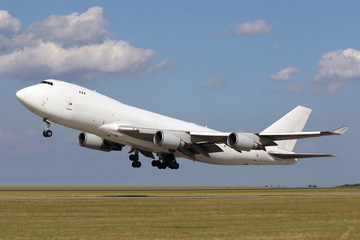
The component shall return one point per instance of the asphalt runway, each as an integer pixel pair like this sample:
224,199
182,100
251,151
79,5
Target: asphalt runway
18,193
174,197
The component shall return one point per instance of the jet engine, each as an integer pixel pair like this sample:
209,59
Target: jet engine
241,142
95,142
168,140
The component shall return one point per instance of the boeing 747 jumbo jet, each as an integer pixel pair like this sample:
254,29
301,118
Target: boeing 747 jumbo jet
109,125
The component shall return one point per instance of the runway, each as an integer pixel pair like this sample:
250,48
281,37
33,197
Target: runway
19,193
174,197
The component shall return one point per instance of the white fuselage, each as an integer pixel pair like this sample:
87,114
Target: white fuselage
79,108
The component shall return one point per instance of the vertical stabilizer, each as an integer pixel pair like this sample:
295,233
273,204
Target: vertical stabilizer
294,121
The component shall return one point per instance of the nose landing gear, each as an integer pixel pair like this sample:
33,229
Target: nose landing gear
47,132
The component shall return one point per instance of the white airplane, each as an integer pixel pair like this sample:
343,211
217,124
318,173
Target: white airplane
109,125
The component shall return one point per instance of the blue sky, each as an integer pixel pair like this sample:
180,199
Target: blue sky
233,66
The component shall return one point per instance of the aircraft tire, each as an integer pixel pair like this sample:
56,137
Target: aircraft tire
162,165
134,157
155,163
136,164
47,133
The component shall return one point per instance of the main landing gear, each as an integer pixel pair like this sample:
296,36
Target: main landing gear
47,132
166,160
135,159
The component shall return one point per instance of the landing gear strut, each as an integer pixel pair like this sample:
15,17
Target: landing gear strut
166,160
47,132
135,159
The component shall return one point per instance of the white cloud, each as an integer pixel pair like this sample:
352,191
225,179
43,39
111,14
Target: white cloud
336,67
74,45
215,82
67,30
257,27
49,58
74,29
340,64
284,74
8,24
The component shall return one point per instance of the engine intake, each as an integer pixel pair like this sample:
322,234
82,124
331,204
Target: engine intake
241,142
95,142
168,140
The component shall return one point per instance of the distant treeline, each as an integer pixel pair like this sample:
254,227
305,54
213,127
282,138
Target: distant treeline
351,185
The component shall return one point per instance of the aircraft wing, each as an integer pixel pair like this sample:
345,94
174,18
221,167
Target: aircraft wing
210,137
196,137
205,142
220,137
136,132
195,145
299,135
299,155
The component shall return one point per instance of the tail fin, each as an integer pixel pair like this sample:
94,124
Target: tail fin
294,121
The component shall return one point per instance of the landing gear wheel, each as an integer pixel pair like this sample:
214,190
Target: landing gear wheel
47,133
175,165
155,163
136,164
165,161
134,157
162,165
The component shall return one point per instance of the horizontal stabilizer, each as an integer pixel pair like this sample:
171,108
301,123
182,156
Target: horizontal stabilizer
300,155
340,131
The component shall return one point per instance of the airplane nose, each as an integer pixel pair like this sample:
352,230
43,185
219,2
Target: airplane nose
31,97
21,95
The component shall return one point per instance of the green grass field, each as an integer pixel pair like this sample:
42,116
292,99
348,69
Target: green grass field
178,213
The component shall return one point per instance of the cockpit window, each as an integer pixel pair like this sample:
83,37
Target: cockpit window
47,82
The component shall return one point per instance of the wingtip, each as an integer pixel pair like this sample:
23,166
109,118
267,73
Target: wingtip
341,130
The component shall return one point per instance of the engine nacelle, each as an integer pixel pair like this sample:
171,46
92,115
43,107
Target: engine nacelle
241,142
95,142
168,140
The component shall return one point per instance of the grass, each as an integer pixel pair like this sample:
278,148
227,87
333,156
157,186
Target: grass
243,216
